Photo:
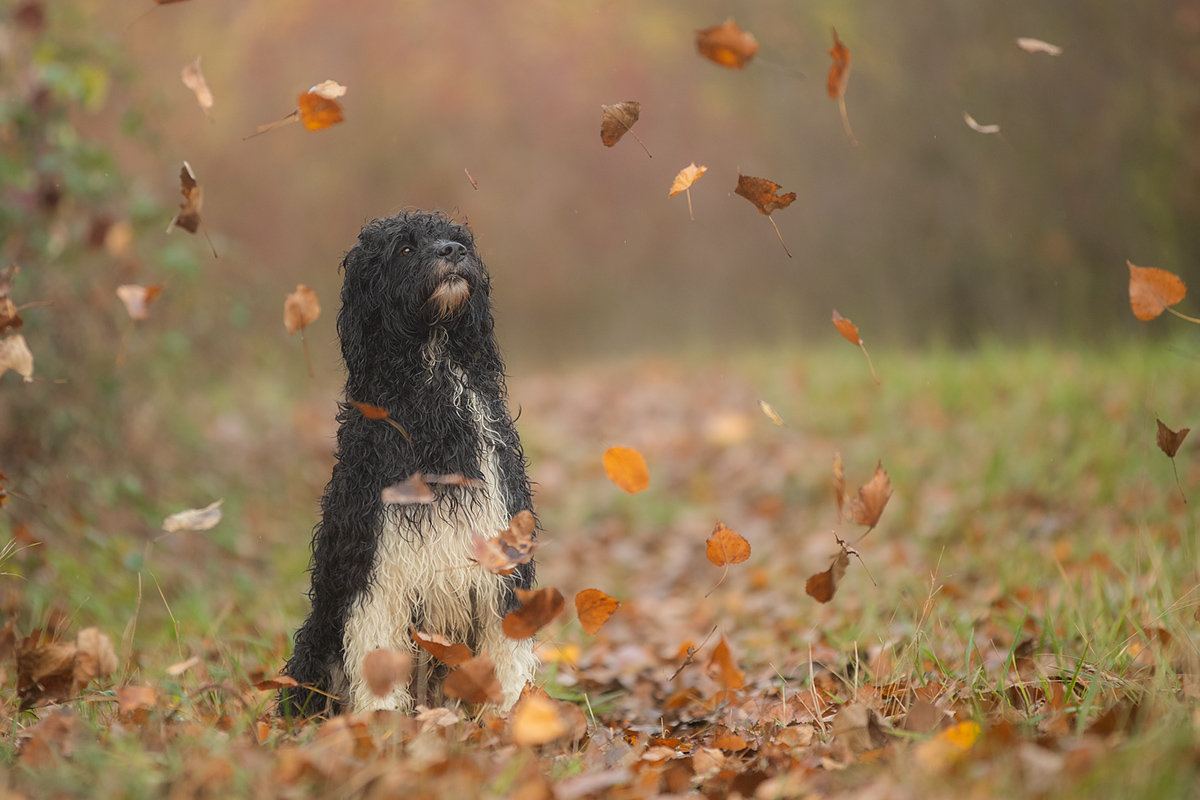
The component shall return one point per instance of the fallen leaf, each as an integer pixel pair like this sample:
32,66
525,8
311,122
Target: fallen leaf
866,508
763,194
194,519
49,740
301,308
771,413
383,669
44,672
536,720
137,299
975,126
538,607
923,717
594,608
860,728
947,747
727,45
278,682
619,118
722,668
175,670
1169,440
193,79
410,491
726,547
135,698
450,654
319,107
1152,291
15,355
731,742
94,657
474,682
822,586
626,468
1038,46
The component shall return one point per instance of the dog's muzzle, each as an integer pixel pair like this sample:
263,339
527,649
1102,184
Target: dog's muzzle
452,290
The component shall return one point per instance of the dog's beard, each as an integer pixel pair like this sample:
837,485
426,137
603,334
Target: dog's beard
450,295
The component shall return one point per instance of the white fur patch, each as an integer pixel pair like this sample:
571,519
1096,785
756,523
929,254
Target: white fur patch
430,570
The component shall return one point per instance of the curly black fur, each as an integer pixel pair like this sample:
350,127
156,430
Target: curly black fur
389,317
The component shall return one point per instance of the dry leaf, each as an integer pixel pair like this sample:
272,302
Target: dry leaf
975,126
410,491
686,177
319,107
860,729
538,607
822,586
1153,290
15,355
626,468
727,45
300,309
94,657
188,216
8,278
846,328
193,79
618,118
137,299
10,316
721,667
45,672
771,413
594,608
731,742
452,655
762,193
501,554
278,682
375,412
474,682
1038,46
839,71
195,519
726,547
536,720
383,669
839,485
1169,440
135,698
866,508
175,670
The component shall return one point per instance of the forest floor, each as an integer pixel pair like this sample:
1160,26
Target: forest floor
1022,621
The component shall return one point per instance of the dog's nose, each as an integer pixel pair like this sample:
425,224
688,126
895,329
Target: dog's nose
451,251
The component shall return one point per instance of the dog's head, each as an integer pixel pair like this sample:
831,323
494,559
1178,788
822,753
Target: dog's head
411,273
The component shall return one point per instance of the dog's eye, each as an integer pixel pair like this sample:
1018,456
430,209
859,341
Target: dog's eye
406,250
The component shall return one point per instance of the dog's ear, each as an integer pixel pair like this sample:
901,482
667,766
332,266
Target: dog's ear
359,314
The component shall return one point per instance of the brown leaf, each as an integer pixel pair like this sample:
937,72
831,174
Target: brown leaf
474,682
1153,290
301,308
726,547
762,193
866,508
594,608
822,586
722,668
188,216
383,669
194,519
731,742
839,71
626,468
10,316
501,554
839,485
94,657
536,720
686,177
846,328
319,107
860,728
48,740
137,299
1038,46
278,682
177,669
15,355
46,672
135,698
727,45
193,79
1169,440
452,655
618,118
410,491
538,607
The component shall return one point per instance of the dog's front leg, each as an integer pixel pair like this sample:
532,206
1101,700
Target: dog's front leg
379,620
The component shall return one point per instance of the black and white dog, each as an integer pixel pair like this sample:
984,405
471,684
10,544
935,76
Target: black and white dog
417,340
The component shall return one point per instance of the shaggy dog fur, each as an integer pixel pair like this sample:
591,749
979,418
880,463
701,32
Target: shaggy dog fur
416,333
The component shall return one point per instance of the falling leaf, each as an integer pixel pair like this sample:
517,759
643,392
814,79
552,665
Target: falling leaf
301,308
723,669
726,547
10,316
8,279
450,654
501,554
410,491
771,413
474,682
1152,291
626,468
839,76
839,484
1169,442
1038,46
594,608
849,331
536,720
538,607
866,508
278,682
763,194
727,45
822,586
375,412
684,180
383,669
975,126
619,118
188,216
137,299
15,355
193,79
319,107
194,519
135,698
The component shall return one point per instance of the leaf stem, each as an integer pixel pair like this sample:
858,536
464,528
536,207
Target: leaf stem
863,347
846,119
780,235
1183,316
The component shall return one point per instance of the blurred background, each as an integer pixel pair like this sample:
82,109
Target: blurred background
925,234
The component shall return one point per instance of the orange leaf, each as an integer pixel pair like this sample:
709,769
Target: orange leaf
731,742
383,669
686,177
866,508
536,720
727,45
846,328
626,468
594,608
501,554
721,667
319,107
618,118
822,586
538,607
474,682
762,193
278,682
726,547
1152,290
1169,440
452,655
370,411
839,72
300,309
133,698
